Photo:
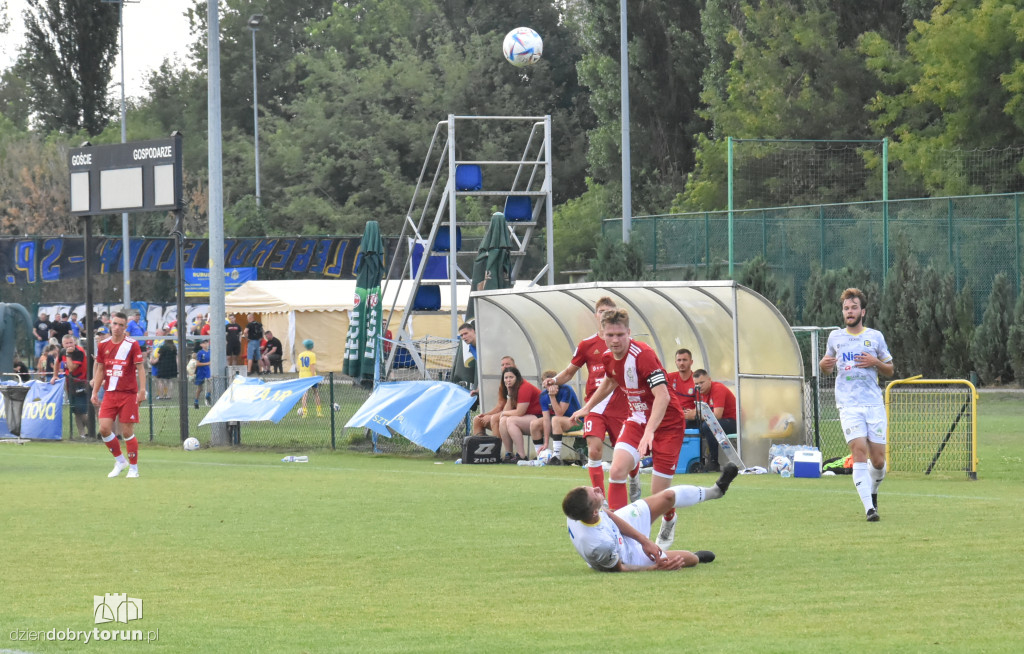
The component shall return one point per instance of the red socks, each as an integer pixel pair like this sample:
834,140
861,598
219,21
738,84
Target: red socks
113,445
132,445
596,477
617,495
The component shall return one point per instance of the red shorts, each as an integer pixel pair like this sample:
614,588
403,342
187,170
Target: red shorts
668,440
120,405
597,425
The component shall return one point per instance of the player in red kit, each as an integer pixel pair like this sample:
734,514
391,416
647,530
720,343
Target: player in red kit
119,368
606,417
656,423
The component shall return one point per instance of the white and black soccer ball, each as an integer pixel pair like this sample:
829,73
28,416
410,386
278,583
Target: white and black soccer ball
781,465
337,407
191,444
522,47
544,456
301,411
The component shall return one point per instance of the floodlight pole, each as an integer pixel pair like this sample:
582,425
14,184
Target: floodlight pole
254,26
218,362
627,190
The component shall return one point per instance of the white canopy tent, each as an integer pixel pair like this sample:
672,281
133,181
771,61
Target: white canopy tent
295,310
734,333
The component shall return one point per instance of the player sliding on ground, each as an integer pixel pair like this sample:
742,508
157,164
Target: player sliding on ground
617,541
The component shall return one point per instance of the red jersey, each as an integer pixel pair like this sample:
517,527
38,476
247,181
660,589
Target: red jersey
684,391
721,396
119,361
590,355
636,374
530,396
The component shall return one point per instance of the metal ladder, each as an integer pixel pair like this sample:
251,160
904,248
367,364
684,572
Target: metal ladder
435,205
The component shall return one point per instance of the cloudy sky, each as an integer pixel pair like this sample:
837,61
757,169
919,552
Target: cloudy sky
153,30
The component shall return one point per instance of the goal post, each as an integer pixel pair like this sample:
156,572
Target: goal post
933,426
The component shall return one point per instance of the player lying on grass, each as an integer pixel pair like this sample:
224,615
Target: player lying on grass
618,541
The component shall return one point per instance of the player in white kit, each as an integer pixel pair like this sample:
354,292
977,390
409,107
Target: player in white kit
858,354
618,541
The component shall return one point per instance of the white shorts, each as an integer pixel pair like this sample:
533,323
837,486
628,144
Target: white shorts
864,422
638,515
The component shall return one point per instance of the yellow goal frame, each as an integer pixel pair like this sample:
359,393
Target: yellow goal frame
926,432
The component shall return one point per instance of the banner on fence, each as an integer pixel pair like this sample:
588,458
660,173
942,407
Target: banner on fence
41,414
197,280
250,399
425,412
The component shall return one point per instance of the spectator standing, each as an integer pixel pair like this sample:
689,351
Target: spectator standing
76,326
74,368
60,327
165,366
233,340
253,336
202,371
41,333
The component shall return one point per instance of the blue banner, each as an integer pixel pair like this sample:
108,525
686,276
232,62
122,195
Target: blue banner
425,412
249,399
197,280
41,415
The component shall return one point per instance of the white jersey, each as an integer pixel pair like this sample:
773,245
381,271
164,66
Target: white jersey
857,386
602,545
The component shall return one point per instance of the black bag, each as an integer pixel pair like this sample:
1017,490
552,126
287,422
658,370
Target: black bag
481,449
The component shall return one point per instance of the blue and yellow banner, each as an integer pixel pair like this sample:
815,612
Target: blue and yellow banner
197,280
425,412
249,399
41,413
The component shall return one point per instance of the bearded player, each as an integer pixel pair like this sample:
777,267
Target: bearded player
656,424
119,368
605,417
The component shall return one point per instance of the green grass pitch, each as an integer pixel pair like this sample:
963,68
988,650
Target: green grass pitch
234,551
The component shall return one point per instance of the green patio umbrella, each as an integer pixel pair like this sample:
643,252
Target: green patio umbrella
492,268
365,318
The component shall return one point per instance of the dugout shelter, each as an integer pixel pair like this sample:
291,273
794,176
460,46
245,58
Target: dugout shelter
734,333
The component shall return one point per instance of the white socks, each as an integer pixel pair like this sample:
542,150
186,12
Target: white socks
690,495
877,475
862,481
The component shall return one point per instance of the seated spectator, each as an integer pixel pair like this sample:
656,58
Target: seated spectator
723,404
272,353
557,404
19,367
490,419
522,406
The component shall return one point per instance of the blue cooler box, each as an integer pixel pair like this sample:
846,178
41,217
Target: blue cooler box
807,463
690,452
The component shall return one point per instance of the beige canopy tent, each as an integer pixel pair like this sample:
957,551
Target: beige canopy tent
295,310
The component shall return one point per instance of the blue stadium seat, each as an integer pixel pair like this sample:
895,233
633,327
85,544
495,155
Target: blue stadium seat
468,177
428,298
443,242
437,266
518,208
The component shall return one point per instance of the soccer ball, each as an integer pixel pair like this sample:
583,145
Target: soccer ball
781,465
337,407
301,411
191,444
522,47
544,456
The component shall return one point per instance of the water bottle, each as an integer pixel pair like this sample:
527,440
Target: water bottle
535,462
295,459
788,472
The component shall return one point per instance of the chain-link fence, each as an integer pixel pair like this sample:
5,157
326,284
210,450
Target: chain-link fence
821,417
975,237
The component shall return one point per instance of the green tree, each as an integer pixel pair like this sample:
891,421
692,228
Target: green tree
666,59
1015,342
957,335
897,313
989,344
824,288
577,224
758,276
69,53
618,262
958,83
